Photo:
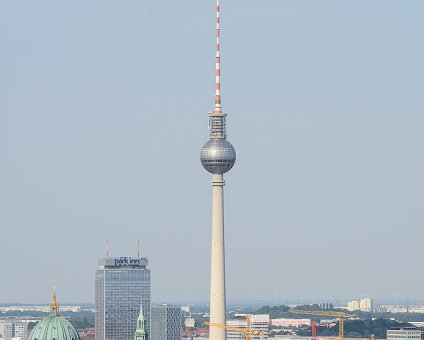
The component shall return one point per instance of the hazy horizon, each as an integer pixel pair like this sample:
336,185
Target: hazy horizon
242,303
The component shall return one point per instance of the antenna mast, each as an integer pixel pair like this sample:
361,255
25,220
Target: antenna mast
138,248
217,109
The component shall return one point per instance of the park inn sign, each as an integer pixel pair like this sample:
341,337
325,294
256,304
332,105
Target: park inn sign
119,262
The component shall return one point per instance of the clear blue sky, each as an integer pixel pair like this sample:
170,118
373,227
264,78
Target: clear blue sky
103,111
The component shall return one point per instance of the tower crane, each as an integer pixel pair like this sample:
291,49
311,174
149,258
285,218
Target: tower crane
340,315
314,330
245,331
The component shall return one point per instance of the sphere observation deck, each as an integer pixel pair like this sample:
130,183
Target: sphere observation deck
218,156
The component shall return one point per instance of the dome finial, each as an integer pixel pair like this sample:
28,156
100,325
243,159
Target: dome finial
54,302
53,307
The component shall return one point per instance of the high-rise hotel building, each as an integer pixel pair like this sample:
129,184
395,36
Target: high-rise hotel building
122,284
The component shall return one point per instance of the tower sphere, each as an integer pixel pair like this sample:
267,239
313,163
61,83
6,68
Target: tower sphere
218,156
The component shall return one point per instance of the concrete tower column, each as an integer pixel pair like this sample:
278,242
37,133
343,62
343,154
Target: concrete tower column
217,301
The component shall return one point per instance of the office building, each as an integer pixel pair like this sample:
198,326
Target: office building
258,324
165,322
407,333
122,284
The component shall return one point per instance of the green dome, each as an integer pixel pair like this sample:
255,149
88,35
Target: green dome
54,327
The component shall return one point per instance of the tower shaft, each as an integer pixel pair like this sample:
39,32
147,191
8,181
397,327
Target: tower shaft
217,298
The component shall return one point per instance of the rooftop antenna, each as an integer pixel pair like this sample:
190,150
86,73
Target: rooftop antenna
138,248
107,248
217,108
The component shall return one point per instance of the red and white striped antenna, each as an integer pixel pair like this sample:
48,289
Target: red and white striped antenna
217,108
107,248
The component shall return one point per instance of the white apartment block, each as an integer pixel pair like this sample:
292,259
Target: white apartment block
396,309
185,309
402,309
6,330
44,309
21,331
259,325
189,322
10,330
404,334
285,322
364,305
353,305
416,309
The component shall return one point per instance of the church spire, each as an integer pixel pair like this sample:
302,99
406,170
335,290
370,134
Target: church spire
140,333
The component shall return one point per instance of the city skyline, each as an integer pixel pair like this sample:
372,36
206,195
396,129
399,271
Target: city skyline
101,125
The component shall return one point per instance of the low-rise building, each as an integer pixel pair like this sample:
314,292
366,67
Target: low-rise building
258,324
406,333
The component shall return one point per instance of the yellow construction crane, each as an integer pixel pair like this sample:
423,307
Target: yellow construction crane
340,315
245,331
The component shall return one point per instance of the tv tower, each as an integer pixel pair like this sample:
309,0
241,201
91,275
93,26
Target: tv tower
217,156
